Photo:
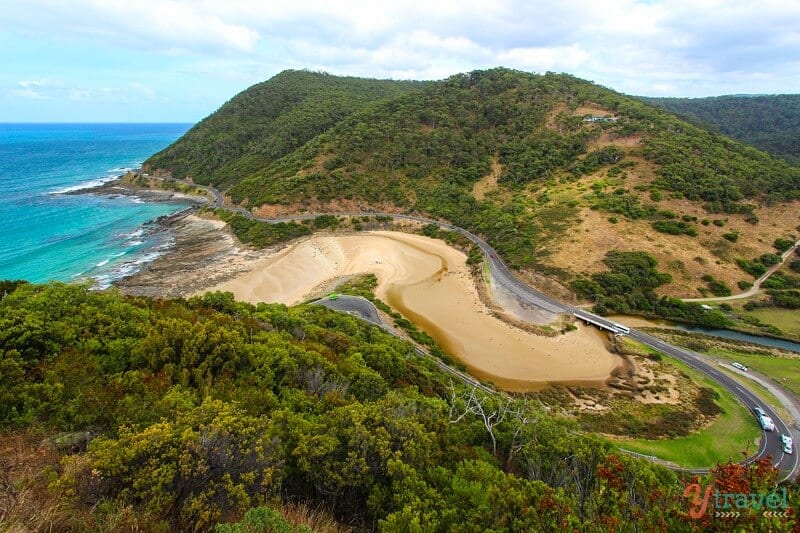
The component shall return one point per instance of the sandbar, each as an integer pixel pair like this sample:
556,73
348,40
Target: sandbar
429,282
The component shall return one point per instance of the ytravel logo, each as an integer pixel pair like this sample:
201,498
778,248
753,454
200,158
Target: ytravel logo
732,504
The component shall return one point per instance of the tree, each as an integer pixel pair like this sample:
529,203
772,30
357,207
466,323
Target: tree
209,461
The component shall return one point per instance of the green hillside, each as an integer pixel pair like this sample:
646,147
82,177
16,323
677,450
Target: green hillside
268,121
770,123
517,157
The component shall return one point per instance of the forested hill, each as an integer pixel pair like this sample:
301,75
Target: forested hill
770,123
520,158
270,120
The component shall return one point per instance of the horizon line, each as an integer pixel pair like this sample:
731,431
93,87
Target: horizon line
25,122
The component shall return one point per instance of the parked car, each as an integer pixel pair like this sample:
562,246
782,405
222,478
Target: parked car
788,444
740,366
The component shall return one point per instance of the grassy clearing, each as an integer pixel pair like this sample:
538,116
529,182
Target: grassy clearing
784,370
787,320
733,432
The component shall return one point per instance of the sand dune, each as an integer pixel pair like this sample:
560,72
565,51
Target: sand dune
429,283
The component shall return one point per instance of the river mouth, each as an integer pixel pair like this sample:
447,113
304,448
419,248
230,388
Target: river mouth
447,341
429,283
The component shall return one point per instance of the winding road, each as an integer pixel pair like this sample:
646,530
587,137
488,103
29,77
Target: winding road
756,284
770,443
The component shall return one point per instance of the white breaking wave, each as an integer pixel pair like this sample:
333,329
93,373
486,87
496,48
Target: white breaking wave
84,185
113,174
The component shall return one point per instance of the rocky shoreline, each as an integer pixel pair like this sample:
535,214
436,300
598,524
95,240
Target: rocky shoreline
123,186
204,253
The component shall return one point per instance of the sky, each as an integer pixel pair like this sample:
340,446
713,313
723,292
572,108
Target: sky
179,60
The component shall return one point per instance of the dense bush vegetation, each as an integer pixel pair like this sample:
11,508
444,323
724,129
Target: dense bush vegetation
675,227
262,234
209,407
790,299
268,121
782,244
758,266
629,286
770,123
717,287
203,409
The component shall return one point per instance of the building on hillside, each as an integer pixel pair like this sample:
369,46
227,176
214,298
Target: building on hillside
594,118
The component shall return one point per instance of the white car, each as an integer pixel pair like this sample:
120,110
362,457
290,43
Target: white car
759,411
740,366
788,444
766,423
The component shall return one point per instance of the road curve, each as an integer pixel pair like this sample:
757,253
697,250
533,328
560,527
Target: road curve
770,444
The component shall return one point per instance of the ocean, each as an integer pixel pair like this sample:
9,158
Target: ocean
48,235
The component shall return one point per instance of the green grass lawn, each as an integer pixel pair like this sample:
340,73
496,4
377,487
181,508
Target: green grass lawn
787,320
725,438
784,370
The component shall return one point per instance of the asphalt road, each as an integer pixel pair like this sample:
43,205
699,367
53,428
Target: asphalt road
353,305
770,444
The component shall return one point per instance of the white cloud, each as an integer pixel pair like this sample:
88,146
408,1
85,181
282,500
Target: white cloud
561,58
678,46
44,89
33,89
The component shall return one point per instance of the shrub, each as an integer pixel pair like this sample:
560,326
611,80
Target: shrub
769,259
787,299
782,244
744,285
261,234
717,288
261,520
759,266
673,227
706,402
719,223
733,237
774,282
325,221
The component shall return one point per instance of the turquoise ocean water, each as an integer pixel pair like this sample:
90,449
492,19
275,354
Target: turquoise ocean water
48,235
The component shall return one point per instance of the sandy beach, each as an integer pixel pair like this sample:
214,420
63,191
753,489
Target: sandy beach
430,283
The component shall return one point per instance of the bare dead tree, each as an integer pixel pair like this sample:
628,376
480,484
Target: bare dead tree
491,411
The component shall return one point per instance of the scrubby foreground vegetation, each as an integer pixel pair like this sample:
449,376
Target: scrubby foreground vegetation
124,413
